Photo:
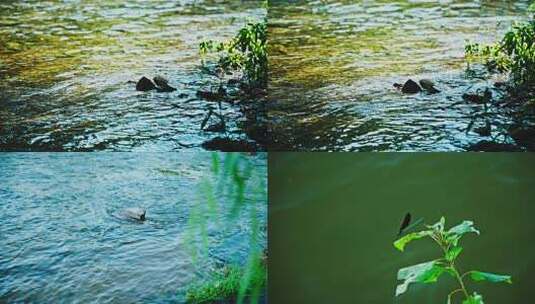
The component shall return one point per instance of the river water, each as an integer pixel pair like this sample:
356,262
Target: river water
333,65
64,239
334,217
65,68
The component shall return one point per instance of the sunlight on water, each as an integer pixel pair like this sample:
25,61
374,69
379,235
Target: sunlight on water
333,64
65,69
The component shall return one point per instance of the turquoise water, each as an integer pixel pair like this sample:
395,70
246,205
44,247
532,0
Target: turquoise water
64,239
333,219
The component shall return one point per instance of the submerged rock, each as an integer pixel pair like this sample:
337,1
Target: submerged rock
524,136
144,84
477,97
229,145
491,146
163,84
211,96
135,213
217,127
429,86
410,87
485,130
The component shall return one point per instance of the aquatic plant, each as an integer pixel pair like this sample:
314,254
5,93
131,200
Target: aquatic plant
429,272
246,52
515,53
236,188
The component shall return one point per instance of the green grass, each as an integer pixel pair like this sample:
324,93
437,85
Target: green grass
225,286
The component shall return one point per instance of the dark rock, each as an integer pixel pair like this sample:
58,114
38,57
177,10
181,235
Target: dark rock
500,84
144,84
490,146
429,86
478,97
398,86
135,213
523,136
411,87
229,145
217,127
210,96
163,85
233,81
484,131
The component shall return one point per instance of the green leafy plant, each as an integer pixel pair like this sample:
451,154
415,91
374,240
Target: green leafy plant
429,272
246,52
235,190
515,53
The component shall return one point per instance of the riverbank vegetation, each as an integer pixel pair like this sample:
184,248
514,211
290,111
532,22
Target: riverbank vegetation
514,56
235,189
225,286
429,272
246,53
241,66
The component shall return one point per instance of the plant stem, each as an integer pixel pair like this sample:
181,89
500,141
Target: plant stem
459,278
440,241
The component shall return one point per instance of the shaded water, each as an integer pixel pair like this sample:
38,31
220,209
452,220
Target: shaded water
63,238
65,68
333,218
333,64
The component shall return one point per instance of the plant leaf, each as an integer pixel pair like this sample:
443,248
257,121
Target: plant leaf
491,277
474,299
464,227
455,233
440,224
400,243
453,253
428,272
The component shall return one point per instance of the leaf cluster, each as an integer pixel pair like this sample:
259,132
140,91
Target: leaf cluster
515,53
429,272
246,52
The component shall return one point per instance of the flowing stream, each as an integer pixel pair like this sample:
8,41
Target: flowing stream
67,67
64,238
333,65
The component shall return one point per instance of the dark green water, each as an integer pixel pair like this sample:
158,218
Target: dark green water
333,218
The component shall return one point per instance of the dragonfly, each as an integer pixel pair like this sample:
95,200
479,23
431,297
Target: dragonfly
406,224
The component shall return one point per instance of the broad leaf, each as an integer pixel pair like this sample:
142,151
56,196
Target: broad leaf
453,253
455,233
491,277
428,272
474,299
400,244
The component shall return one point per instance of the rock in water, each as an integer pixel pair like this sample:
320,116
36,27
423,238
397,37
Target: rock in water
163,85
144,84
411,87
478,98
429,86
490,146
135,213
